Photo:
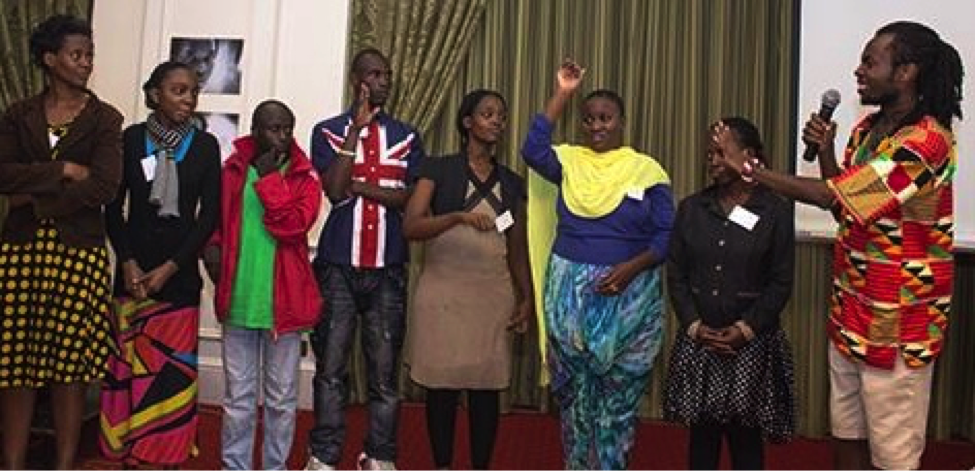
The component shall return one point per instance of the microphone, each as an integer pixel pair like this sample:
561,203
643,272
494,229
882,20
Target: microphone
830,100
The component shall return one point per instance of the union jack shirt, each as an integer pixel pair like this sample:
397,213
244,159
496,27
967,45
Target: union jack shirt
359,231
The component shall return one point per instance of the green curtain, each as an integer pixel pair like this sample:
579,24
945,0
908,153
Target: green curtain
679,65
17,18
425,42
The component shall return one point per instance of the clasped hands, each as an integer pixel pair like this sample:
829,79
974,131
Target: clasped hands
140,284
725,341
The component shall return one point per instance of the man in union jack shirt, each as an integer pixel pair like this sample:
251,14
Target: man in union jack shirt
366,159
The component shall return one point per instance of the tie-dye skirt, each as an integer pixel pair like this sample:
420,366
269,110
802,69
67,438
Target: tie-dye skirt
601,350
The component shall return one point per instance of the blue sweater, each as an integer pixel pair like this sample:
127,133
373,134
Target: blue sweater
633,227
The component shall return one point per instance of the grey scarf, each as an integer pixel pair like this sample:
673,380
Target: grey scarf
165,185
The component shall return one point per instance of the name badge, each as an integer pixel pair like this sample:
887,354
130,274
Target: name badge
743,218
504,221
149,167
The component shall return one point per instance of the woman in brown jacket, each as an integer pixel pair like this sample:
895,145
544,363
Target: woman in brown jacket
60,162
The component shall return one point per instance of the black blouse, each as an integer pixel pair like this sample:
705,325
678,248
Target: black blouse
142,235
718,272
451,175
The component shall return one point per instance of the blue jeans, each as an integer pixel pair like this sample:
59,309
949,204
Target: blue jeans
252,357
378,295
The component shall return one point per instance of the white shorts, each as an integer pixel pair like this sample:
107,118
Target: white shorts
888,408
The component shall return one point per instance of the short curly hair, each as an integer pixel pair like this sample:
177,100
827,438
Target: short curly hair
48,36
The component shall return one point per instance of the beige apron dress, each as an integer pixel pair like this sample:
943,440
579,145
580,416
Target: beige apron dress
456,336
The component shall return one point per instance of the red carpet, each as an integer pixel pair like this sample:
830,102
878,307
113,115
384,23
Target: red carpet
526,440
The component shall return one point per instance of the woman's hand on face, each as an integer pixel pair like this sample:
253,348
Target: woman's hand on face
569,76
479,221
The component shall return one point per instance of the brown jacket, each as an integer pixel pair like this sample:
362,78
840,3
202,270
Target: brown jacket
26,167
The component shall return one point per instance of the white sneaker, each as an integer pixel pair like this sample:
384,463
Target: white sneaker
315,464
365,462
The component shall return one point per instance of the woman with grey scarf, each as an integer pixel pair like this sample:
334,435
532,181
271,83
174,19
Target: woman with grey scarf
166,209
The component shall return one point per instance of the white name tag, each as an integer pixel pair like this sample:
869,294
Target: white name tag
635,193
149,167
743,217
504,221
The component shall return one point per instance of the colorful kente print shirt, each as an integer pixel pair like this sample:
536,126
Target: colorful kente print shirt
893,266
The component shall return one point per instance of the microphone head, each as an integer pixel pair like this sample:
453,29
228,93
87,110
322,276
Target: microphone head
831,99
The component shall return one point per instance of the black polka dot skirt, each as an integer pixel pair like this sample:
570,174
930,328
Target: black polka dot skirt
753,388
55,312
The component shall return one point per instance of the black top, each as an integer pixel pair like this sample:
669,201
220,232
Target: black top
720,272
451,175
142,235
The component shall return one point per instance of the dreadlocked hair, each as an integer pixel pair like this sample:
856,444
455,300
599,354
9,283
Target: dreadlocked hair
940,71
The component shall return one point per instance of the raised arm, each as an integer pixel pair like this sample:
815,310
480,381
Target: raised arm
567,81
338,178
537,149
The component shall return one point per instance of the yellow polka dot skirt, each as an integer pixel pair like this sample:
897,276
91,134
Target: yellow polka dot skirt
54,324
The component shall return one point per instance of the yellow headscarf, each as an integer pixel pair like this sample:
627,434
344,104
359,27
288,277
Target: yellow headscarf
597,183
594,184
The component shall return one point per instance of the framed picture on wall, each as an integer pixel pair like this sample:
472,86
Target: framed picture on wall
216,60
225,127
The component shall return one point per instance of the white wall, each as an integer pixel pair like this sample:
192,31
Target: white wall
833,35
294,50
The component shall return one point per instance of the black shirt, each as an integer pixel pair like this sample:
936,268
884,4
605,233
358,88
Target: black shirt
142,235
718,272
